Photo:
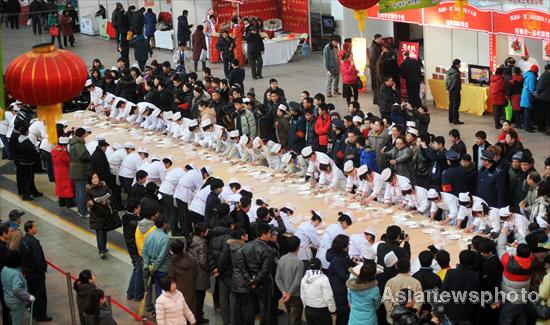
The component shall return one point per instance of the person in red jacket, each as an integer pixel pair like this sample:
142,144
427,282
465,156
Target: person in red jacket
64,187
349,78
498,95
516,86
322,128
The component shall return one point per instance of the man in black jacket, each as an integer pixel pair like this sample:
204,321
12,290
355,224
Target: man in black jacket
129,224
428,279
453,84
255,48
120,22
387,96
137,191
236,75
491,278
34,267
25,158
481,144
410,70
213,201
226,45
36,9
255,263
394,237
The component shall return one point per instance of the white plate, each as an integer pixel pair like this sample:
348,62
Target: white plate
304,192
454,236
354,206
388,211
429,230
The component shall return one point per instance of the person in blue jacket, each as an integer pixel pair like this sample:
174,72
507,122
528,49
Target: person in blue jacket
364,296
492,182
16,294
150,23
526,101
296,131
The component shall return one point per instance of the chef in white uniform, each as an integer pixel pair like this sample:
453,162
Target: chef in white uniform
230,193
331,176
447,202
308,232
358,243
394,183
96,96
373,186
158,168
515,222
130,165
313,171
274,157
188,185
9,115
416,198
353,183
335,229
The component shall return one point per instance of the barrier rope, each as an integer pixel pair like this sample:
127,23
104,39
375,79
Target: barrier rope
113,301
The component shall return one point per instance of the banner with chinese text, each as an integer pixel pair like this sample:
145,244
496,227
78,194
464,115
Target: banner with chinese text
407,16
295,15
399,5
412,47
449,15
523,22
263,9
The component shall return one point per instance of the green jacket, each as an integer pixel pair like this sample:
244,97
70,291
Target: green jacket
248,123
80,160
283,124
155,250
53,20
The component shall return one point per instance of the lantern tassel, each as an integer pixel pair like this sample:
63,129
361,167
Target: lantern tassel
361,16
50,114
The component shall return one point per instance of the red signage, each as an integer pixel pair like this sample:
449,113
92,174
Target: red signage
412,47
449,15
295,15
492,52
413,16
523,22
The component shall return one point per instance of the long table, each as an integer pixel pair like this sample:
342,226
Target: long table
277,52
276,190
473,99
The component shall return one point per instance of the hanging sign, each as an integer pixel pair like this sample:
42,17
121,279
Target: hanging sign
413,16
412,47
546,50
449,15
516,46
399,5
523,22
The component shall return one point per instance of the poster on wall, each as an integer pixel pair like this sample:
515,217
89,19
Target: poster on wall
398,5
263,9
546,50
523,22
411,47
516,46
295,15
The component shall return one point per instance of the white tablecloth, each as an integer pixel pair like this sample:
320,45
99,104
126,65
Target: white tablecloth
164,39
278,52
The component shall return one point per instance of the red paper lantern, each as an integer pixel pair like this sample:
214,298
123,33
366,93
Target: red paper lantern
46,77
358,4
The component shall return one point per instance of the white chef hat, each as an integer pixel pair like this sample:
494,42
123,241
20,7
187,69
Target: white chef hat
276,148
412,130
143,150
390,259
348,166
206,122
63,122
432,194
257,142
156,112
193,123
234,181
386,174
357,119
406,186
176,116
464,197
362,169
285,159
129,145
243,140
282,107
209,170
169,157
234,134
504,212
307,151
324,160
370,231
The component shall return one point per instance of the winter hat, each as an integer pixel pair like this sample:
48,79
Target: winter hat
534,68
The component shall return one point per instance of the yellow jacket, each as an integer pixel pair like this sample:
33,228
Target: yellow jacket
142,231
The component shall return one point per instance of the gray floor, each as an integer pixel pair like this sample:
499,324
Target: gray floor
73,248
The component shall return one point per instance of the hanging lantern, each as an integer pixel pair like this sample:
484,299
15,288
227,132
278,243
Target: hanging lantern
46,77
359,10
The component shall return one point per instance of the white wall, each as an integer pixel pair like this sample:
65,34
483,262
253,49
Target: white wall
534,46
442,45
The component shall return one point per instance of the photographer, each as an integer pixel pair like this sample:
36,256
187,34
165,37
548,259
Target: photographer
394,237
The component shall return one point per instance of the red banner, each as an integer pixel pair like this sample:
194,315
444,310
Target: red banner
295,15
448,15
492,52
412,47
523,22
264,9
407,16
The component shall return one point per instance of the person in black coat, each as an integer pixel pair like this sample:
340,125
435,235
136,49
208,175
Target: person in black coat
462,279
255,48
426,276
184,29
119,22
338,274
137,191
150,200
142,50
152,95
34,266
236,75
480,145
25,158
454,179
296,130
491,277
137,22
99,161
13,9
387,96
129,225
394,238
410,70
126,87
225,46
456,142
213,201
36,9
166,98
491,181
107,84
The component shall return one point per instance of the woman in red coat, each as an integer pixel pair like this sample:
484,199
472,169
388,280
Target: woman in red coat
498,95
239,39
349,78
67,28
322,128
64,187
199,45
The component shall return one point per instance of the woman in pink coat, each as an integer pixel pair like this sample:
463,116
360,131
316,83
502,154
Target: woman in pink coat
349,77
64,186
171,307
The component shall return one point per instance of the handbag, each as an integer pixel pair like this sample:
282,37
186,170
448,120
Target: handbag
359,83
54,31
113,221
204,55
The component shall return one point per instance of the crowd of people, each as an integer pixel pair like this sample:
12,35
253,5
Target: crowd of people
188,231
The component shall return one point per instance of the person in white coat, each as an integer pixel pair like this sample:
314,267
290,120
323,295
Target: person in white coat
373,186
316,294
353,182
130,165
486,219
188,185
230,193
515,222
313,172
358,243
308,232
96,96
39,137
443,205
157,169
416,198
331,177
335,229
394,184
274,157
9,115
167,189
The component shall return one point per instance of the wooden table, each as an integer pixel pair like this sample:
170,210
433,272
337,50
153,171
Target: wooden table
275,191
